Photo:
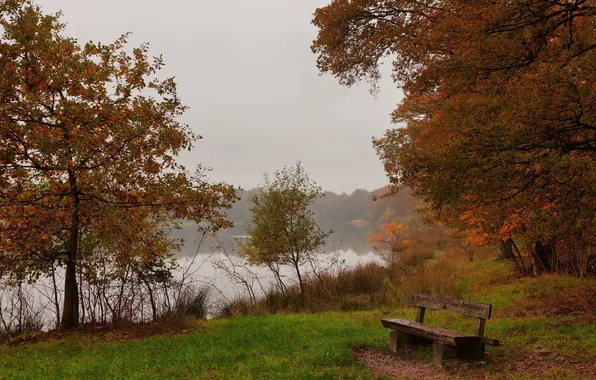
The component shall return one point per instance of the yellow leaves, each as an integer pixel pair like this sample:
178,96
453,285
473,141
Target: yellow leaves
254,255
389,230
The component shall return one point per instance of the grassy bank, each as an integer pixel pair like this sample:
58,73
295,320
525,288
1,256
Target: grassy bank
547,326
279,346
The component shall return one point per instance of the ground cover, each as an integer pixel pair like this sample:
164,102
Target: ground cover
547,327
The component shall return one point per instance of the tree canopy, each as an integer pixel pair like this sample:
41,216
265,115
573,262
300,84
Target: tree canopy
283,230
498,125
90,135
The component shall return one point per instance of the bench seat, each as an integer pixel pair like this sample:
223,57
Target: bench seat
447,344
433,333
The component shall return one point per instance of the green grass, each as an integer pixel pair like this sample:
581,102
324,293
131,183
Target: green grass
550,318
525,317
280,346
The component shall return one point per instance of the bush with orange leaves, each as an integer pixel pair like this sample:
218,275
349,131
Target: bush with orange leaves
391,239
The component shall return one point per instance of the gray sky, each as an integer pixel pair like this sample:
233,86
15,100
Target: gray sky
246,70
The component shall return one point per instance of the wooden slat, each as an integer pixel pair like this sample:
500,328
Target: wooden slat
471,309
451,337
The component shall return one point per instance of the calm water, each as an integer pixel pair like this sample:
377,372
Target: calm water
347,244
345,237
203,264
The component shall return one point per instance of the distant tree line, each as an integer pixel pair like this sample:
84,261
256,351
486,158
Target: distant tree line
333,208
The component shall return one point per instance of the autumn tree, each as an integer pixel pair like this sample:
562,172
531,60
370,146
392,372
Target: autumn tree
89,136
283,230
390,241
498,125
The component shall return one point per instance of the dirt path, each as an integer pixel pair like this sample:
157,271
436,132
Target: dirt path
401,366
397,365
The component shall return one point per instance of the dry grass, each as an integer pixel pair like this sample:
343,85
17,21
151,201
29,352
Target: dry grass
429,265
436,276
557,296
361,288
193,301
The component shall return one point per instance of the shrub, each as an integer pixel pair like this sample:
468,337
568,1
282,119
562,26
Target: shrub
193,301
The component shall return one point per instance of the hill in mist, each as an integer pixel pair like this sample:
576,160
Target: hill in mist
359,208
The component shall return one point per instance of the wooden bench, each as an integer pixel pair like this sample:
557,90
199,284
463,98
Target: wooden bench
447,344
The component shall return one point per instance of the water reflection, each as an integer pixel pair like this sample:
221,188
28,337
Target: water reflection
347,240
345,237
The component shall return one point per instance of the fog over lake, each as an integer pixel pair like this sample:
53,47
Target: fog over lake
347,244
344,237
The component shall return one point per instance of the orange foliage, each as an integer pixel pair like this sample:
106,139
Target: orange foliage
89,138
391,238
498,125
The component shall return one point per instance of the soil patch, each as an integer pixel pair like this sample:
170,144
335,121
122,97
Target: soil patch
540,362
402,366
114,332
397,365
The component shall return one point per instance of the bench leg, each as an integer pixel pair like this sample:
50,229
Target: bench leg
442,352
397,340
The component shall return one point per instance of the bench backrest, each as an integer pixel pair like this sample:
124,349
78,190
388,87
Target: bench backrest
471,309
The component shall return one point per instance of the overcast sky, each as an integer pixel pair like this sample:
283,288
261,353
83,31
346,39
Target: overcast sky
246,71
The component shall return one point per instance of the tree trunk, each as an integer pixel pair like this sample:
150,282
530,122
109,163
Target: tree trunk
299,278
506,250
81,297
70,310
20,295
167,297
151,298
56,303
520,264
544,255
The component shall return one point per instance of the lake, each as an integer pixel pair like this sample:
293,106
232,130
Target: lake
344,236
206,264
347,244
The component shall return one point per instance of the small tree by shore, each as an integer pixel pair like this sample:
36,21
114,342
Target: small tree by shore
283,230
390,241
